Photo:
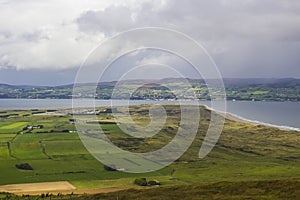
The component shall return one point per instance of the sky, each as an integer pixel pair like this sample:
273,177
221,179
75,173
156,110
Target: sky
44,42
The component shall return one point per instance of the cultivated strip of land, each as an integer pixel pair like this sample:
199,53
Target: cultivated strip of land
38,188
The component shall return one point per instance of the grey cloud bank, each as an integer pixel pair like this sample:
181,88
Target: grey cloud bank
250,38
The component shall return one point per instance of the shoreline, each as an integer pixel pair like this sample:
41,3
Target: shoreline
228,115
255,122
237,118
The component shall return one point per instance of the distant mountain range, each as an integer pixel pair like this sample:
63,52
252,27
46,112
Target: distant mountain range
251,89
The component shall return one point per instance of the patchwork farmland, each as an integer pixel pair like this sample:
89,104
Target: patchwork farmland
53,152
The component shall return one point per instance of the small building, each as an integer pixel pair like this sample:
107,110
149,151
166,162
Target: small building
33,127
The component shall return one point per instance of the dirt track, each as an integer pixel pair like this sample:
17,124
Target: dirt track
62,187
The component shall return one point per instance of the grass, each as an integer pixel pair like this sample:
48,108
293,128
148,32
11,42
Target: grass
121,182
244,154
267,189
12,127
281,189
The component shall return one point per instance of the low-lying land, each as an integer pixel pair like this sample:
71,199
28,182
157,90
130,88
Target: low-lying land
249,161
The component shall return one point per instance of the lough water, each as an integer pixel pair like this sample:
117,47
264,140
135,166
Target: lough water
282,114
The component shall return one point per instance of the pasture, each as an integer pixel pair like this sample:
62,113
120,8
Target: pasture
14,127
245,152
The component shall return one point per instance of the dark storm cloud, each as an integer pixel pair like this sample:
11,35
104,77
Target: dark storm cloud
246,38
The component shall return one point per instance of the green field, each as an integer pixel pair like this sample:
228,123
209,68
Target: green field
244,153
12,127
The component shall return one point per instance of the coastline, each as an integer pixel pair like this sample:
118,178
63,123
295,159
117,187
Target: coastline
234,117
255,122
17,104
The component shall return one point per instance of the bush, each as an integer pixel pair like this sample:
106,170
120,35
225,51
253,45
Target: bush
24,166
50,110
110,168
153,182
141,181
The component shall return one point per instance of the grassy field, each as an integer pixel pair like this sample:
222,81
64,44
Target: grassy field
245,153
267,189
16,125
12,127
241,190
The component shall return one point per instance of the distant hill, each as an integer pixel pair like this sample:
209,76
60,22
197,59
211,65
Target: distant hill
229,82
257,89
284,82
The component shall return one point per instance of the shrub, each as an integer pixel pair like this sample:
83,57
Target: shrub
110,168
141,181
153,182
24,166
